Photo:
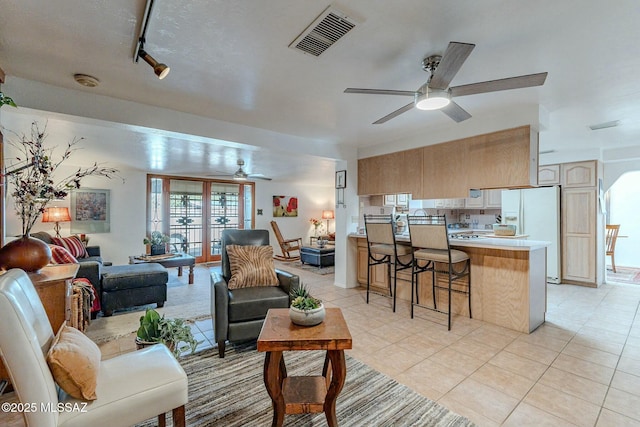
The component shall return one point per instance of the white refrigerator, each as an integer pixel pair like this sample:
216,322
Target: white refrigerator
536,212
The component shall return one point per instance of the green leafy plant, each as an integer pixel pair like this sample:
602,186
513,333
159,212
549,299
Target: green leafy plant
6,100
171,332
302,300
156,238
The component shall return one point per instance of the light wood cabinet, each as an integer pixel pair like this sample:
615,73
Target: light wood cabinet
549,175
579,236
500,159
579,174
399,172
378,272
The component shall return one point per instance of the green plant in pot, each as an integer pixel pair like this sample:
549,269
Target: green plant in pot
305,309
158,242
174,333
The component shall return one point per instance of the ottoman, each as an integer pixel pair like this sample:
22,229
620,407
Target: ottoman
322,257
125,286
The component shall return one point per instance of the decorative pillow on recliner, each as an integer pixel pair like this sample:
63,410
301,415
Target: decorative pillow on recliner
72,244
74,361
251,266
60,255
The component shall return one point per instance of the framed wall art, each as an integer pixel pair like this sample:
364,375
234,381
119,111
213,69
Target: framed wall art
341,179
285,206
90,211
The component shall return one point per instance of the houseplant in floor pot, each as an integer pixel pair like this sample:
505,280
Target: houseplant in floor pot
305,310
174,333
31,176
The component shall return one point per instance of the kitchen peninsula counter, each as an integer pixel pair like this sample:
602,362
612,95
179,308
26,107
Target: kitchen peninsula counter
508,280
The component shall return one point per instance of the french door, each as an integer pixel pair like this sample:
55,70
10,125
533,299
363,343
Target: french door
194,212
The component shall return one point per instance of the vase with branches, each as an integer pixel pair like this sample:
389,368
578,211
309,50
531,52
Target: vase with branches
32,177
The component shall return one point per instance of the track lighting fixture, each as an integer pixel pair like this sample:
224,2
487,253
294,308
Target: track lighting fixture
161,70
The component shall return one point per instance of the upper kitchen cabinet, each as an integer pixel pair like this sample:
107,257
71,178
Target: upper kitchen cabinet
504,159
579,174
399,172
493,199
549,175
445,171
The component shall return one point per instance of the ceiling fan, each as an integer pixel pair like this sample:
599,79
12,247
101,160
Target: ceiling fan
436,94
242,175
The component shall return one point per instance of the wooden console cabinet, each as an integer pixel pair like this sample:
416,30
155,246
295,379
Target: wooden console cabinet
53,284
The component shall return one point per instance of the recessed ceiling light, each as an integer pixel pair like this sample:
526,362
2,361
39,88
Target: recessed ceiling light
86,80
605,125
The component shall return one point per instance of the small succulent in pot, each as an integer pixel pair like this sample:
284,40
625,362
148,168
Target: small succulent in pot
302,300
305,310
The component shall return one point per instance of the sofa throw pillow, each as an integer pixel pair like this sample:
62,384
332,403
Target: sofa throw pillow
74,361
72,244
251,266
60,255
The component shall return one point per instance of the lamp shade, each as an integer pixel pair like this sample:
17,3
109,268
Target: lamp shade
327,214
56,215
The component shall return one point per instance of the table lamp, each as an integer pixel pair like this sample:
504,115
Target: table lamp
327,215
56,215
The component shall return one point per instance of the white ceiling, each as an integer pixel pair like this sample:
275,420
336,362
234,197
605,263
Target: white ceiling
230,61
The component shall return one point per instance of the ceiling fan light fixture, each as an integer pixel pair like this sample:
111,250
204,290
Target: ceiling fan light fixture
432,99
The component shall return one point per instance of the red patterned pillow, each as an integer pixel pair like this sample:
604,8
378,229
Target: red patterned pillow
72,244
60,255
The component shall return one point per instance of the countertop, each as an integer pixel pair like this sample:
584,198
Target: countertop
489,243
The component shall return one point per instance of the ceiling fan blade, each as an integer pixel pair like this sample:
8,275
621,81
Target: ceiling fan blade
456,112
258,176
450,64
528,80
380,91
394,114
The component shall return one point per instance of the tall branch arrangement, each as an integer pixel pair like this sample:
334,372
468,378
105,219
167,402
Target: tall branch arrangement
34,187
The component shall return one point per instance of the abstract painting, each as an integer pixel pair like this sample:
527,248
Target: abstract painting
285,206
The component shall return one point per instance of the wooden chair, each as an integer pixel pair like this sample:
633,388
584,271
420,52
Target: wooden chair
286,245
612,236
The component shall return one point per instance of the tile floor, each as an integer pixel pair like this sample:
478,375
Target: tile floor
581,368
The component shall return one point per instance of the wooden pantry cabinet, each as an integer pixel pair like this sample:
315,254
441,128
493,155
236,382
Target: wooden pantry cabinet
549,175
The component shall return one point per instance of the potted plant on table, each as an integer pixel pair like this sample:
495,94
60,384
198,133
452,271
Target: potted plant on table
305,310
158,242
174,333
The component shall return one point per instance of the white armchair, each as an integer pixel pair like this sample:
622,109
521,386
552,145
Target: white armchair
130,388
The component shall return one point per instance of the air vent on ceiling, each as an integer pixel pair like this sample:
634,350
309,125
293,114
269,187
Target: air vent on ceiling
605,125
327,29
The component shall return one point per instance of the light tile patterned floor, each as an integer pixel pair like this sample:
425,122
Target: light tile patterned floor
581,368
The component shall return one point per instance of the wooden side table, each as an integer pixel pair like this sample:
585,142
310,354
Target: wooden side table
304,394
53,284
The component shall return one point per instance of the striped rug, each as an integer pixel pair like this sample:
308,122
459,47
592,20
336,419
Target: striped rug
230,392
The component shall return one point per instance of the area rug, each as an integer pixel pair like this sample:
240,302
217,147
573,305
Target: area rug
230,392
628,275
314,269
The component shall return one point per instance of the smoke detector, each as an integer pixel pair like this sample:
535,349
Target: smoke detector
86,80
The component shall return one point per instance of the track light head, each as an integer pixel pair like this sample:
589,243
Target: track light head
161,70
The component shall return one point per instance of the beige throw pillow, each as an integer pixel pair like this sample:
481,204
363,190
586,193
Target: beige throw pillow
74,361
251,266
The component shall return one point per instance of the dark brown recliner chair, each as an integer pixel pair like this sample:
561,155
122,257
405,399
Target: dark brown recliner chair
238,314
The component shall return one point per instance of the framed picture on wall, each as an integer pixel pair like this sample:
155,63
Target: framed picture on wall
90,211
285,206
341,179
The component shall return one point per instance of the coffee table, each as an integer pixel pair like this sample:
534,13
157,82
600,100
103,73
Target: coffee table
179,260
304,394
315,255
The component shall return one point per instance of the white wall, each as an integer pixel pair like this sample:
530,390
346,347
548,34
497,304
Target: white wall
312,200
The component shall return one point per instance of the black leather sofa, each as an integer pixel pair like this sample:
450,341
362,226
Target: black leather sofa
90,267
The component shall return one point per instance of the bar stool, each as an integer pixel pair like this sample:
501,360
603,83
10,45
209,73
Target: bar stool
432,253
382,248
